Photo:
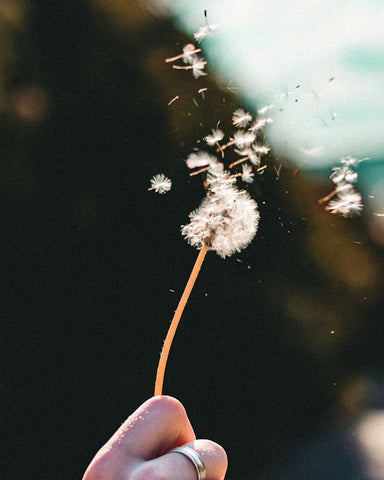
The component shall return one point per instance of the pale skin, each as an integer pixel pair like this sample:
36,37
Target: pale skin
141,448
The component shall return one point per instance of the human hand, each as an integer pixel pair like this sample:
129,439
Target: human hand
141,448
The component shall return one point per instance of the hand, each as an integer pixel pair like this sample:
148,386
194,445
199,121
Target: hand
140,448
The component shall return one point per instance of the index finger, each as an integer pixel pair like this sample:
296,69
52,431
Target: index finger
156,427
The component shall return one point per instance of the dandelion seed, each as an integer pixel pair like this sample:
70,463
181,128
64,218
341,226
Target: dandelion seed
247,174
240,118
261,149
348,205
242,138
160,183
200,159
197,66
259,124
204,32
217,136
264,110
341,174
189,51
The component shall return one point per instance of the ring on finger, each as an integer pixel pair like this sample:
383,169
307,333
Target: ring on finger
195,458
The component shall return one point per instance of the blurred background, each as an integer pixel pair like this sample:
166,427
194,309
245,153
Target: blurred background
279,353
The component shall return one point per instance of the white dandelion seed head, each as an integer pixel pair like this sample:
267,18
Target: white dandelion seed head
160,183
241,118
226,221
200,159
216,136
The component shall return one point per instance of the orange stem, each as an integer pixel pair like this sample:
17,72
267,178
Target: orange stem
176,319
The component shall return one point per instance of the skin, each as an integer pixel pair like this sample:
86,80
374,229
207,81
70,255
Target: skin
140,448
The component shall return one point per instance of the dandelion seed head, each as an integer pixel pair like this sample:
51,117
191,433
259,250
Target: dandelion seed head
226,221
160,183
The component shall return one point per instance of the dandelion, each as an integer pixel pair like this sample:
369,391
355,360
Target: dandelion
160,183
241,118
226,222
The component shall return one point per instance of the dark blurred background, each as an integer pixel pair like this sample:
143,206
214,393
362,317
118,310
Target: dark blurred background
278,346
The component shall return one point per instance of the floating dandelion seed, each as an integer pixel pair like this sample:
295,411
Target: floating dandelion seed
204,32
247,173
200,159
259,124
347,202
241,118
189,51
216,137
160,183
264,110
197,66
347,205
242,138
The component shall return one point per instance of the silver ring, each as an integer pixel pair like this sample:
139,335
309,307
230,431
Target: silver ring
195,458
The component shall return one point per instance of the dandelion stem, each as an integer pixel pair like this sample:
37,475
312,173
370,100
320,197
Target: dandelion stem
176,319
